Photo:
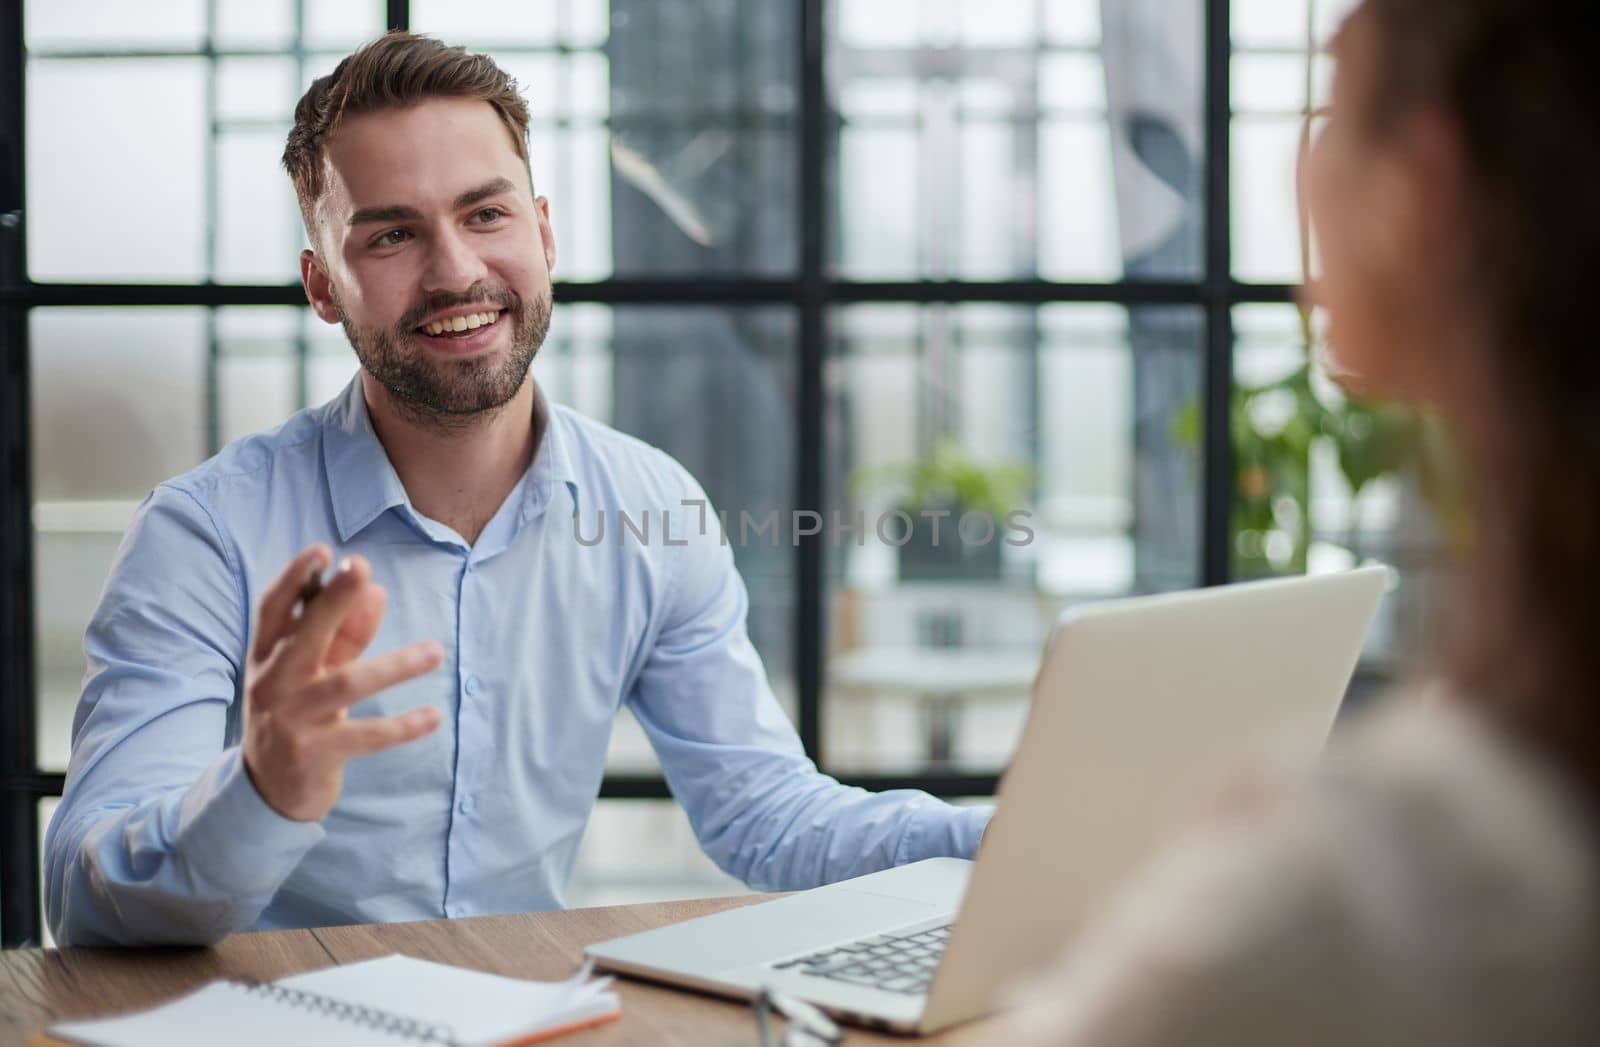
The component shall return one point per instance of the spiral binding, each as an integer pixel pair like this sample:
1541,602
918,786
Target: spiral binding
396,1025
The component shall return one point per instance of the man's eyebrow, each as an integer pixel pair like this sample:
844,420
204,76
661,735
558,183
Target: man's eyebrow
483,192
386,213
402,213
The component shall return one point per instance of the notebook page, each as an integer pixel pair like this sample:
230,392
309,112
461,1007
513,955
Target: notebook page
222,1013
479,1008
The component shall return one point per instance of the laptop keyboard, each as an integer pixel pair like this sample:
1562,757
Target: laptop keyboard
897,963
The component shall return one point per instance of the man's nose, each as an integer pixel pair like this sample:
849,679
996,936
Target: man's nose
453,264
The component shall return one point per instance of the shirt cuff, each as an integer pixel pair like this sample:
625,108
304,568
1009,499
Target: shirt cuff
968,828
942,831
232,839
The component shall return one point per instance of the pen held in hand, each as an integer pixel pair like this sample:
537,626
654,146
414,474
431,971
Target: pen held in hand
308,591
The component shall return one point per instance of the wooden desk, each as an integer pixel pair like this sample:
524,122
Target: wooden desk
38,986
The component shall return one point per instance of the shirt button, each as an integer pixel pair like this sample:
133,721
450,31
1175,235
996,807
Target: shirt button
467,804
472,685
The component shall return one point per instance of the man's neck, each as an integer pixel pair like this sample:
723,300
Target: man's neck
458,473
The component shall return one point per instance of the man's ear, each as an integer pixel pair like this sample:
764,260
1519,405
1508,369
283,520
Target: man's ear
319,290
547,235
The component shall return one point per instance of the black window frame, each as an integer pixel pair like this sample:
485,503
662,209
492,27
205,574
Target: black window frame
811,292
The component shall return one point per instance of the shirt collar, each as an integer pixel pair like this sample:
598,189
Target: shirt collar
552,465
363,483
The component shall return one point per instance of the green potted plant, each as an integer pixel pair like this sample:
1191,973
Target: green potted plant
934,493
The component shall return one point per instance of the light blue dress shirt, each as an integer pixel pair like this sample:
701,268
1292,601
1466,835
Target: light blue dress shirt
161,837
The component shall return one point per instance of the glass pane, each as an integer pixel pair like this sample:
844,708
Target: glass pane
1268,23
1266,238
1072,22
1057,451
1014,140
119,25
258,378
265,24
664,135
1326,482
258,88
492,23
343,26
258,232
331,362
643,851
1273,40
118,405
116,169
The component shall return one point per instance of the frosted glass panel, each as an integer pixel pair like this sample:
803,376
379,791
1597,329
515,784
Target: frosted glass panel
254,393
500,23
254,23
344,25
258,223
1077,209
118,405
116,169
1072,22
998,23
114,24
118,400
257,88
878,217
1266,242
257,368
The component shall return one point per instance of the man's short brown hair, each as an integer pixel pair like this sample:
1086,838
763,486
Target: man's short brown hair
393,72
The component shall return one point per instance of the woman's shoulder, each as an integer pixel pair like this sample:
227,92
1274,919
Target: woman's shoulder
1423,873
1423,783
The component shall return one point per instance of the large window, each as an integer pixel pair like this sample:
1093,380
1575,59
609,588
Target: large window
877,260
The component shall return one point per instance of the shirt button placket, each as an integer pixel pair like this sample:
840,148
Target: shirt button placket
468,742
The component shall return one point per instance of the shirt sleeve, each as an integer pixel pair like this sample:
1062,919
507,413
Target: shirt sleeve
758,805
160,836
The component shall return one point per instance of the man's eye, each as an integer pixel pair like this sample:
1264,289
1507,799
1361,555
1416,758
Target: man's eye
393,238
490,214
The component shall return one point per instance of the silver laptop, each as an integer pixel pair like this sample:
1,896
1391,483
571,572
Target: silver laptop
1140,707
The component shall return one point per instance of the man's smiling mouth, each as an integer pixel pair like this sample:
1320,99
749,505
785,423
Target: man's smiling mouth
456,326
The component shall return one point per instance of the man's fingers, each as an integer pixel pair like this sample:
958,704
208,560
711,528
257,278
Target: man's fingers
351,738
276,611
344,687
358,628
313,633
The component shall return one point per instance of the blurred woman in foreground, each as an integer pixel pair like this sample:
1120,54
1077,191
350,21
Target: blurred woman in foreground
1436,877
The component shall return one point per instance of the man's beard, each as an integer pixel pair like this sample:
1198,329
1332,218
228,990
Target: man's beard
443,393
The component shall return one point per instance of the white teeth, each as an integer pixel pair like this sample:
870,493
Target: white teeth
459,323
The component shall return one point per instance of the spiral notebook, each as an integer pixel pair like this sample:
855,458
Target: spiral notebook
383,1002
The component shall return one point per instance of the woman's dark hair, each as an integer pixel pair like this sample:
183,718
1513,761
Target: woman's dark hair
1520,82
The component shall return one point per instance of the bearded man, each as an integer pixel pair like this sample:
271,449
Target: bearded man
238,761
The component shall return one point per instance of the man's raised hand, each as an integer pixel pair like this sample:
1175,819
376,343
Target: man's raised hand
302,674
